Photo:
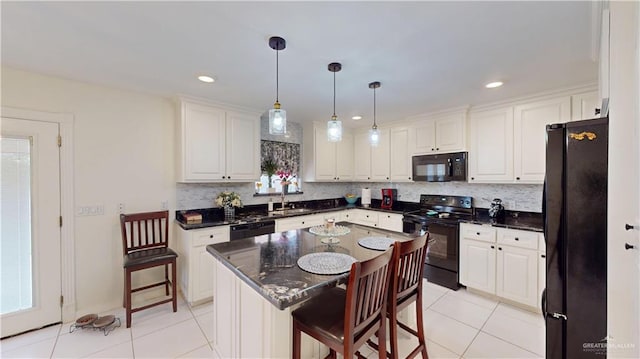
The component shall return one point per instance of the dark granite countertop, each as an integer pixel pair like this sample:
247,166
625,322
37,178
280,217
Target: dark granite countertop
268,263
212,217
530,221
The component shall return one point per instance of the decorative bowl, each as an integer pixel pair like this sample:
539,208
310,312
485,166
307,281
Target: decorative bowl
351,200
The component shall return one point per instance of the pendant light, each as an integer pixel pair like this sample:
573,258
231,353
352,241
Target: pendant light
277,116
374,134
334,127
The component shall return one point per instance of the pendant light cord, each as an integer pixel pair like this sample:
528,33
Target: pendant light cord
334,94
277,75
374,107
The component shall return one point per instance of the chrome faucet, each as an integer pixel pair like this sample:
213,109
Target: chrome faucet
282,200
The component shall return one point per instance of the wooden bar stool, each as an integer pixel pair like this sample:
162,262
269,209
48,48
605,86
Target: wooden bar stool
344,319
406,288
145,244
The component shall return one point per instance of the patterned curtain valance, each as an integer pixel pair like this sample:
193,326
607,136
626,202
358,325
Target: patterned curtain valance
285,155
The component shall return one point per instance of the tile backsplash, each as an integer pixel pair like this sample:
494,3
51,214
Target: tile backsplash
516,197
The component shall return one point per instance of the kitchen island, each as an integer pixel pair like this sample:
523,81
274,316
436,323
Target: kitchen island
258,283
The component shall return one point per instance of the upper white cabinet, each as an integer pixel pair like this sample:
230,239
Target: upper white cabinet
508,145
530,132
400,165
327,161
217,145
372,163
491,146
584,106
443,133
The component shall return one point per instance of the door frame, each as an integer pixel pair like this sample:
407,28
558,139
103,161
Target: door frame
67,235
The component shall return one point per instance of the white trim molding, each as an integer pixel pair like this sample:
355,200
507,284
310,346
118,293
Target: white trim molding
67,235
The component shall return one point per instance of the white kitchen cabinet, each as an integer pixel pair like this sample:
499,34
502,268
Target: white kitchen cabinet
372,163
500,261
217,144
327,161
478,257
400,160
584,106
542,274
529,126
195,264
364,217
299,222
390,221
439,134
491,146
517,274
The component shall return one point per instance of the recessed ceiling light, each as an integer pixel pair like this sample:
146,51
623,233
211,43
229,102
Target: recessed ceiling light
356,118
492,85
207,79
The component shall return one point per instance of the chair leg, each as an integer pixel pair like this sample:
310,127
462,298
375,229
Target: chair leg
174,286
421,340
124,292
127,296
382,337
166,279
393,332
295,354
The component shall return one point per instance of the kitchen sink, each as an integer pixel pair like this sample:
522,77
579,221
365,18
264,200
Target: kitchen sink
291,211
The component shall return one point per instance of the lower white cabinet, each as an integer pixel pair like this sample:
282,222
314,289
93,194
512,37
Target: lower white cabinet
500,261
195,265
390,221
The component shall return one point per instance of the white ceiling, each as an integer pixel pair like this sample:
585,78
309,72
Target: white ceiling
428,56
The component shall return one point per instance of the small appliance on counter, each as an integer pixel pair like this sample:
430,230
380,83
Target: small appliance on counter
389,195
496,210
366,197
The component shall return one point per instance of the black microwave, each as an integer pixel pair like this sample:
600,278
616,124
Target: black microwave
440,168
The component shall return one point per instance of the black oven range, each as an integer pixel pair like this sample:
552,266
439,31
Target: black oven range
440,215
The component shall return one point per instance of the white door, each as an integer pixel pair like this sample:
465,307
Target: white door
30,221
517,277
478,265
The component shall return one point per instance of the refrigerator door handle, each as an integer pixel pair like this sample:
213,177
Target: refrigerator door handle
543,303
559,316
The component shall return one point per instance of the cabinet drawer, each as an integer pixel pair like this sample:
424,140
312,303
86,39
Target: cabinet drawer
518,238
201,237
477,232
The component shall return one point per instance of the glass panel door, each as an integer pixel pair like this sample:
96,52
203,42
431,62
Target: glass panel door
15,212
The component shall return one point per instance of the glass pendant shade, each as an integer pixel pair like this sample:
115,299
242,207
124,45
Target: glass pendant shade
374,136
277,120
334,130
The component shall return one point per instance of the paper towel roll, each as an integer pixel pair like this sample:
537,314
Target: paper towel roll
366,197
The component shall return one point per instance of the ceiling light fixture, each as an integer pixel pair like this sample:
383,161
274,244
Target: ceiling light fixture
356,118
334,127
207,79
277,116
374,134
492,85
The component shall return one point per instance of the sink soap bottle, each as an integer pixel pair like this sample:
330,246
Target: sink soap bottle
270,205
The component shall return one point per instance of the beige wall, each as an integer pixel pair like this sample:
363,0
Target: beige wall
124,152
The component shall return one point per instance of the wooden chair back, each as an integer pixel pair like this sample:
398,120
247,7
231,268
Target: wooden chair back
144,231
408,262
367,292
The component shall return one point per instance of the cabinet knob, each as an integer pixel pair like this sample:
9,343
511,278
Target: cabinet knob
517,239
628,227
387,177
409,178
517,178
437,149
211,236
433,149
337,178
368,177
223,177
228,177
499,248
543,256
628,246
302,222
473,178
493,247
477,233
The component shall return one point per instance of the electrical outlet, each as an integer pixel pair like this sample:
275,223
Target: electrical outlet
165,204
121,207
96,210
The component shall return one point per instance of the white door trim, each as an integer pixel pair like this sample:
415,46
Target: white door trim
67,235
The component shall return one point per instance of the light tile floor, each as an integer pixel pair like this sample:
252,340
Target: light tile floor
458,324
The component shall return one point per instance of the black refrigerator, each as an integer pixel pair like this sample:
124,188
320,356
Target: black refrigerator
574,302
